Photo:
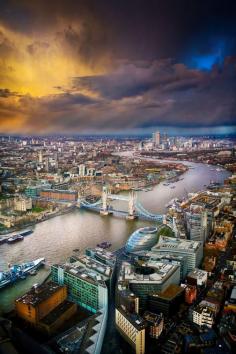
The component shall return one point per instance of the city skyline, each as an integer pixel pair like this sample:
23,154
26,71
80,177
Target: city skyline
111,67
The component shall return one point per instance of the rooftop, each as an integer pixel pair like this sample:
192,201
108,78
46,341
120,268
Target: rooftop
97,266
197,273
170,293
172,243
137,321
75,269
159,272
40,293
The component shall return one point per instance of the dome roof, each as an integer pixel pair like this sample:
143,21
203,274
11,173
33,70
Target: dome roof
142,239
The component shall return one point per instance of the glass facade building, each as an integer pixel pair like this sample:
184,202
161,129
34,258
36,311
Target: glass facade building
142,239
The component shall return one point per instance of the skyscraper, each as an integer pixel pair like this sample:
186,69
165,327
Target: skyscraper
156,137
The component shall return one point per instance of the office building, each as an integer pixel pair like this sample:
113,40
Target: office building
85,287
132,328
100,269
156,137
196,219
142,239
167,258
167,301
193,250
147,278
85,337
102,255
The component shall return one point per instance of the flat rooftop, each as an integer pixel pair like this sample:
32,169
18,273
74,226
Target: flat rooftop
82,273
197,273
57,312
137,321
172,244
170,293
160,272
95,265
39,294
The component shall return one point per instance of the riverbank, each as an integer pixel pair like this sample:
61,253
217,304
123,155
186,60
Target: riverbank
7,233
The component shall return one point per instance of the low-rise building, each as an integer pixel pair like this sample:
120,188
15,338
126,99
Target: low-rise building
155,323
203,316
197,277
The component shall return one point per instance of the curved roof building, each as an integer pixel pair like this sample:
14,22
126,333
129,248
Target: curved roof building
142,239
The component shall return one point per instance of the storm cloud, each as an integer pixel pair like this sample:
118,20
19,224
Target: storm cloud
98,66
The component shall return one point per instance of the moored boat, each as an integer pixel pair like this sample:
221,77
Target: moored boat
19,271
15,238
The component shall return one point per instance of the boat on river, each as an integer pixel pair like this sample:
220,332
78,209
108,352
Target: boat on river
15,238
19,271
104,245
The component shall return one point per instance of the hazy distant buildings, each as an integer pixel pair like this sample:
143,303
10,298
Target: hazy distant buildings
82,170
156,138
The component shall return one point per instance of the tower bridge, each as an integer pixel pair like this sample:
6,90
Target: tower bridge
135,208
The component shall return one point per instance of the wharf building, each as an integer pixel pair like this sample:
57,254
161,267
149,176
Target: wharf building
45,307
59,195
192,250
147,278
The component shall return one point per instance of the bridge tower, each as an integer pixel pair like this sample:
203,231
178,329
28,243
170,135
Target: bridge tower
131,207
104,210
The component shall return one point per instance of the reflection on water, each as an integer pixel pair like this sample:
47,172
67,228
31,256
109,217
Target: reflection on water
55,239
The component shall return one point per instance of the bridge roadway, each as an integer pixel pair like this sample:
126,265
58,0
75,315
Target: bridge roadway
117,212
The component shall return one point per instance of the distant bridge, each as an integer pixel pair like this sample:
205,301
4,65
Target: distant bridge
135,208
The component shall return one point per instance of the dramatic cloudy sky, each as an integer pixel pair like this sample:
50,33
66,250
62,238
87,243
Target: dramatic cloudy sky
103,66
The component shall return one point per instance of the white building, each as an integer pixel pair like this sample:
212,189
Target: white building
198,276
82,170
22,204
193,250
203,316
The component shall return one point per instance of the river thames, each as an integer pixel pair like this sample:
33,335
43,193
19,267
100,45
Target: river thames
55,239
